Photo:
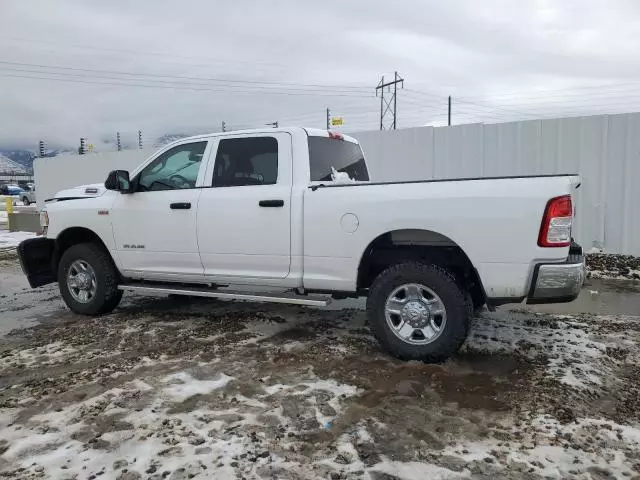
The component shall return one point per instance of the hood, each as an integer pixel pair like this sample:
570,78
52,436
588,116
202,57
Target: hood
83,191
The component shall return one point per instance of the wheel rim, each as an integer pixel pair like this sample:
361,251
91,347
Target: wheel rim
81,280
415,314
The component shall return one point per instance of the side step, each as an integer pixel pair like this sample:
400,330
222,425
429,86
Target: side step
314,301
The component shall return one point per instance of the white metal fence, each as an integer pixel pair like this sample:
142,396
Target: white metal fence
57,173
604,149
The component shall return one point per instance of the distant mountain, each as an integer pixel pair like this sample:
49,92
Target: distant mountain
24,158
9,166
168,138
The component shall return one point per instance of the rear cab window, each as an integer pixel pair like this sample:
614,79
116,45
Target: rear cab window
335,152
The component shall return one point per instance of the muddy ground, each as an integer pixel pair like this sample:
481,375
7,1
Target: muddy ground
166,388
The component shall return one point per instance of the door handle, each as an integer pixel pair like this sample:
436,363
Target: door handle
180,206
271,203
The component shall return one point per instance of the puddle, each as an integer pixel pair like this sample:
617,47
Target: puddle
470,380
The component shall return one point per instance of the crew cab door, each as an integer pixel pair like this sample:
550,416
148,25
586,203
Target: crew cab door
154,227
244,216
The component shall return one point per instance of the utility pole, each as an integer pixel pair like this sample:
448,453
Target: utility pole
389,105
41,149
140,139
224,126
449,115
328,119
119,145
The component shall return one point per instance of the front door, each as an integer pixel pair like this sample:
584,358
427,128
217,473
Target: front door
154,227
244,217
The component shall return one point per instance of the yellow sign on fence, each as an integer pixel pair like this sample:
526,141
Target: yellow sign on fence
337,121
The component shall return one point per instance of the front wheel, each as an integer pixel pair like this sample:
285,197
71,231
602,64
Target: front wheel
88,280
418,312
25,201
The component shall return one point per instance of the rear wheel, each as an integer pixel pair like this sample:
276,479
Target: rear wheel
418,312
25,201
88,280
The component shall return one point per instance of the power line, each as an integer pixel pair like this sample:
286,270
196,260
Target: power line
312,93
314,116
421,102
569,102
272,87
462,100
443,106
261,83
459,100
141,53
564,91
516,108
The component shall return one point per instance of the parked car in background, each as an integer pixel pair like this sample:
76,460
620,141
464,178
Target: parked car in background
13,191
28,196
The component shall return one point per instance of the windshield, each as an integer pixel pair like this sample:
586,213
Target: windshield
344,156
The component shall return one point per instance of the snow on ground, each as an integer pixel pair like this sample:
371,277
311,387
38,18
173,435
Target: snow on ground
12,239
182,385
575,356
156,438
49,354
554,449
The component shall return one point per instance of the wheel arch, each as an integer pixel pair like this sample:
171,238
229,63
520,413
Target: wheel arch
426,245
73,236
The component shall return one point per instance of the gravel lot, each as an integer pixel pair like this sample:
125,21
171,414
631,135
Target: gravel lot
613,266
166,388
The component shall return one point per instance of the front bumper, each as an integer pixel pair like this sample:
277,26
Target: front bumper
558,282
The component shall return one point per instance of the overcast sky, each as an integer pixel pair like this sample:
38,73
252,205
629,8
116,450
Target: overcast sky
91,68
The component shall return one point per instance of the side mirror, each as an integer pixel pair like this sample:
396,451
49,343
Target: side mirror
118,180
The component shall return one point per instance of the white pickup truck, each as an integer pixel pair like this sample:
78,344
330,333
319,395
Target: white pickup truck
293,209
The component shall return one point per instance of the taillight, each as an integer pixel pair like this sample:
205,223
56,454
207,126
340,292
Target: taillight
555,230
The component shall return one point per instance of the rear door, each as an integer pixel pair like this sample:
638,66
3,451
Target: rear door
244,213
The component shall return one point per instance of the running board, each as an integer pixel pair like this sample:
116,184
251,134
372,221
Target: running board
229,295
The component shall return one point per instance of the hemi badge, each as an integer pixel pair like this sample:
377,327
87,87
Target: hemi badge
103,212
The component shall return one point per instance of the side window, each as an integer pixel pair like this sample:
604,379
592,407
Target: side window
175,169
246,161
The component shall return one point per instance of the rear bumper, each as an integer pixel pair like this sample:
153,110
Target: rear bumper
558,282
36,260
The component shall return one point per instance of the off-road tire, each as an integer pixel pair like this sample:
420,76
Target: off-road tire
107,295
443,283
